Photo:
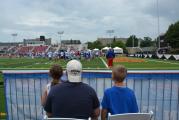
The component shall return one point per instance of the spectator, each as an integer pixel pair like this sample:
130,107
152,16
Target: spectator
56,73
110,56
118,99
72,99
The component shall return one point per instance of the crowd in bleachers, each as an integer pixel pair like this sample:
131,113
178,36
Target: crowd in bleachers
50,52
22,50
71,98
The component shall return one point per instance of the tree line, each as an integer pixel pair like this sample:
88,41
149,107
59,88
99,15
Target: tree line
171,37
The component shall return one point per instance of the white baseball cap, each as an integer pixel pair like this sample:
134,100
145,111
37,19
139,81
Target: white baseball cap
74,70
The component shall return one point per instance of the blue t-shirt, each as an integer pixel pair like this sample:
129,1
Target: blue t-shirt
118,100
110,54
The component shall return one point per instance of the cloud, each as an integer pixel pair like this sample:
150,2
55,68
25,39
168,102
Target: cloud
84,19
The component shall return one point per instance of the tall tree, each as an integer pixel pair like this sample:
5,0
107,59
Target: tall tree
172,35
95,44
147,42
130,40
118,44
90,45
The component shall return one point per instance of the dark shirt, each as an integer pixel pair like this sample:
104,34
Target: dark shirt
71,100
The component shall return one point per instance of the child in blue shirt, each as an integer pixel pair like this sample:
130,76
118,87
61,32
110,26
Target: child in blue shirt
118,99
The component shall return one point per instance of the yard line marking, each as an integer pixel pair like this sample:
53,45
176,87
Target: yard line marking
27,65
104,62
164,62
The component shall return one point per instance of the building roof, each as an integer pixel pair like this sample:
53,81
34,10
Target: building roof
71,42
10,43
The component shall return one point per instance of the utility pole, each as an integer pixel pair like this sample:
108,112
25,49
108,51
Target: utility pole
133,41
158,24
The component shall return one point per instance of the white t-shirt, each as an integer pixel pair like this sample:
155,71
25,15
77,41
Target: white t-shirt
48,86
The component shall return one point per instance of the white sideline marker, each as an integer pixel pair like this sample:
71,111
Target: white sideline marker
166,62
104,62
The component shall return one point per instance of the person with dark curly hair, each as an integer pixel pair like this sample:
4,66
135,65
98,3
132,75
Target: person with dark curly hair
55,73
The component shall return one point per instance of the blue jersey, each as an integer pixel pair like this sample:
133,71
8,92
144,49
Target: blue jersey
118,100
110,54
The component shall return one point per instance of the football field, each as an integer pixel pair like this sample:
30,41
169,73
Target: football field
96,63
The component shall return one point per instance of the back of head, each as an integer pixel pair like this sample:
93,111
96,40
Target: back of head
74,70
56,72
119,73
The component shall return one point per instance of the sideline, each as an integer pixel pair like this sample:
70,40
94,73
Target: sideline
104,62
166,62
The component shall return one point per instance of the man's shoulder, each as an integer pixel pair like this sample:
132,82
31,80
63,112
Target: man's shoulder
53,88
67,84
86,86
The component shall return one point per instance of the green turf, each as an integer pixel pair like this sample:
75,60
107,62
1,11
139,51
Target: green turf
1,78
151,64
2,101
39,63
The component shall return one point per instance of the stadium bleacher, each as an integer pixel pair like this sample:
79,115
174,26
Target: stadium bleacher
39,49
13,49
24,49
52,49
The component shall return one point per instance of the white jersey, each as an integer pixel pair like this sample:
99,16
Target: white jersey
48,86
61,54
50,54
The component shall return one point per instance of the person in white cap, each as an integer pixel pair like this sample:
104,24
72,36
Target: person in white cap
73,99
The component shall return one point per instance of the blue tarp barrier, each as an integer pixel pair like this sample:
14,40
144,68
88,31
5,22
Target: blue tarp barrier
155,91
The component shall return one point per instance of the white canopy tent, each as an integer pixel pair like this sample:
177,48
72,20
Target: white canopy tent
96,49
105,48
118,50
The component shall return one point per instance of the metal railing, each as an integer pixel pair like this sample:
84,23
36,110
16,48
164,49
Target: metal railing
155,90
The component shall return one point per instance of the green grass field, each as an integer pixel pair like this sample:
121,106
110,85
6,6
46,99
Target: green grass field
152,64
97,63
40,63
2,99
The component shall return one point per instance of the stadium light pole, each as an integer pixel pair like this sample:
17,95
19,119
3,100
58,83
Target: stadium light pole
158,24
14,35
60,33
110,32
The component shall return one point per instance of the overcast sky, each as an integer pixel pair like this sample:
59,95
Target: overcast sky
84,19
